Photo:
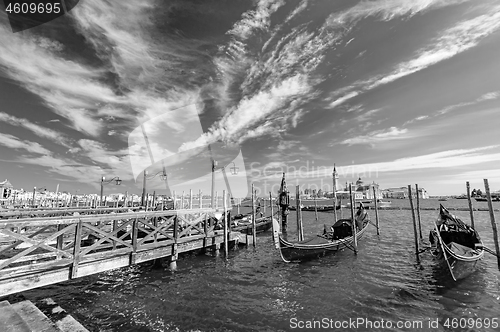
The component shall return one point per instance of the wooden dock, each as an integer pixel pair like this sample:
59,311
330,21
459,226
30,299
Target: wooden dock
40,251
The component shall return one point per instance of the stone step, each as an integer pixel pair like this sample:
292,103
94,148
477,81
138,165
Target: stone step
64,321
10,320
35,319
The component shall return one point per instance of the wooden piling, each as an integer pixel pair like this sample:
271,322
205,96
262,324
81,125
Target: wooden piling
254,228
153,203
492,218
353,221
175,199
190,199
418,213
174,254
226,222
471,211
376,210
334,198
414,221
239,204
300,231
315,209
200,198
216,200
182,200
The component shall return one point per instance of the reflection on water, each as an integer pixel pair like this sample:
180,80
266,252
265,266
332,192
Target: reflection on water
255,291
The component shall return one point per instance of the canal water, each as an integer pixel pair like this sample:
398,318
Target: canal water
253,290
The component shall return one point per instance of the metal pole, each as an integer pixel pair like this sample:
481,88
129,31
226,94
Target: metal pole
492,219
143,199
254,231
212,204
226,242
470,205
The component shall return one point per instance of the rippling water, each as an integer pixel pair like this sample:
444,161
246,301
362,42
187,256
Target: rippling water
253,290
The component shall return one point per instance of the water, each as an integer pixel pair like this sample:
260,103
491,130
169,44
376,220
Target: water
255,291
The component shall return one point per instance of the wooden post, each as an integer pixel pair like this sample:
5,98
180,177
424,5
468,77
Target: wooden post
470,205
175,200
239,204
224,206
216,200
300,231
60,239
334,199
182,200
418,213
353,222
414,221
125,203
76,250
254,228
174,254
271,205
264,206
153,202
315,209
190,199
376,210
493,223
200,198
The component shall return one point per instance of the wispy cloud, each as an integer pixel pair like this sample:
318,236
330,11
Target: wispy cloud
455,40
14,142
40,131
378,136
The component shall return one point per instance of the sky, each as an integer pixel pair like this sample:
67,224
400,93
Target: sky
393,91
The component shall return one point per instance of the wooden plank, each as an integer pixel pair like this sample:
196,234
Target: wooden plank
76,250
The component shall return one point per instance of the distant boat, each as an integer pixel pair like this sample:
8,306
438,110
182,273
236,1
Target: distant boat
456,244
443,199
481,199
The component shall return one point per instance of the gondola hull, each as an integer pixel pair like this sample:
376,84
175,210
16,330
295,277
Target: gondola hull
316,247
456,245
459,266
261,225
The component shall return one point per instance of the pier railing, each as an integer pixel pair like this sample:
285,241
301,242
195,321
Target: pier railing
41,251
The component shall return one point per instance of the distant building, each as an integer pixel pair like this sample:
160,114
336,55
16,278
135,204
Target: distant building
5,189
402,193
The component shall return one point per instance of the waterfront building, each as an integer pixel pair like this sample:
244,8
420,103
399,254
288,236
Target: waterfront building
5,189
402,193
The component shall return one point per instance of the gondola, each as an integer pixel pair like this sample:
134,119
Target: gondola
244,225
339,237
455,244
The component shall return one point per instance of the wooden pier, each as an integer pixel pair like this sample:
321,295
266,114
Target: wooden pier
39,251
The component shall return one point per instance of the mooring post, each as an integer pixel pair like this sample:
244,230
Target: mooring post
264,206
315,209
376,210
175,199
410,196
334,195
216,200
300,231
471,211
190,199
153,203
226,221
200,198
182,200
418,212
353,221
239,204
492,218
254,228
173,257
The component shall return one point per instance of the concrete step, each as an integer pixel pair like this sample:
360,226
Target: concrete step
35,319
10,320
